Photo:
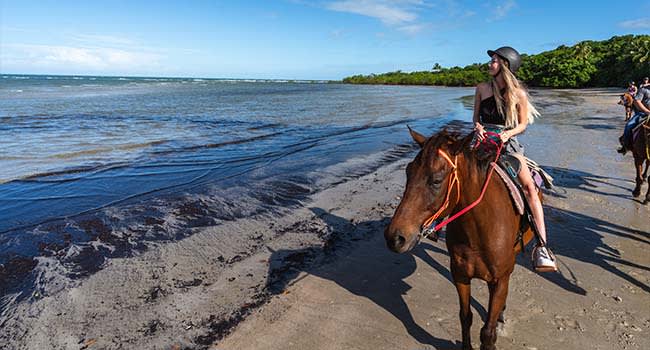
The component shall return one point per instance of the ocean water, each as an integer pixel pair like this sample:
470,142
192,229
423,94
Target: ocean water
84,159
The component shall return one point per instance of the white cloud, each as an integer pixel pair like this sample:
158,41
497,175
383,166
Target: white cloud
94,59
337,33
105,40
501,10
640,23
412,29
389,12
468,14
410,17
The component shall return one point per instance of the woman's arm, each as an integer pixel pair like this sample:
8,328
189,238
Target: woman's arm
522,117
475,117
640,107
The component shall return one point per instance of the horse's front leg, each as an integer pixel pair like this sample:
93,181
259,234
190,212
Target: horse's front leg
498,295
638,163
464,290
502,315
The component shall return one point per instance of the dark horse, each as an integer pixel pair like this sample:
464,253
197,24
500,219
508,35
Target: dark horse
482,243
641,153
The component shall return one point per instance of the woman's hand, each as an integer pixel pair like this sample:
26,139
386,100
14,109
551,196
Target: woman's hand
505,136
480,132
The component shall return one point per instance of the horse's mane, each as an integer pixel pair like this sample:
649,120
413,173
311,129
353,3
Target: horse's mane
455,143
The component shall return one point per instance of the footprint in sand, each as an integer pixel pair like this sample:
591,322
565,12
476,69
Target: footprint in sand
565,322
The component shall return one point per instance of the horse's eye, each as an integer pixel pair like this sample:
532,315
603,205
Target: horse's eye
436,181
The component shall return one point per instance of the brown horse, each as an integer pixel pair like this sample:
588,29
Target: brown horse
641,153
482,243
627,101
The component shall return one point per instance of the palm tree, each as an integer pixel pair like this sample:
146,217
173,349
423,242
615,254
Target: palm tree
582,50
640,50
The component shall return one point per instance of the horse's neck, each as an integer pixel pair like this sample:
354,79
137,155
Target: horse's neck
471,176
477,227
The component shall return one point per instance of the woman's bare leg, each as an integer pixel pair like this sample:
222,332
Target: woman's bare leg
530,191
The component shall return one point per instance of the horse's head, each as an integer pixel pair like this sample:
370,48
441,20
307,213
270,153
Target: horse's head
626,100
428,179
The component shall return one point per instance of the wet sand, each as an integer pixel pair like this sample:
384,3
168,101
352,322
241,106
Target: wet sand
319,276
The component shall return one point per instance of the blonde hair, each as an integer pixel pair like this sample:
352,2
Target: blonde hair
507,105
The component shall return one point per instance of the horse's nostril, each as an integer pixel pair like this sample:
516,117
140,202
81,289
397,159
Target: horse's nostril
396,240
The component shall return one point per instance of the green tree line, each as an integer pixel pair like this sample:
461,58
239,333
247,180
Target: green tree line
589,63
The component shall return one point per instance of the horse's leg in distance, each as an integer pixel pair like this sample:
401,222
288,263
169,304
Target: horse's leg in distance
647,194
498,295
646,157
464,290
638,164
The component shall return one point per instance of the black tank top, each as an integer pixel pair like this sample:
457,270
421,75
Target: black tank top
488,112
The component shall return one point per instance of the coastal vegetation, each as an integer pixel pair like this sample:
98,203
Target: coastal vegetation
589,63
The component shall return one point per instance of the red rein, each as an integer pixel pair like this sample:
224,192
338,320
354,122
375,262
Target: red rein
454,180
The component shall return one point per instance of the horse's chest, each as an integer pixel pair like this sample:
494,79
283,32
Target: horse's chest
469,263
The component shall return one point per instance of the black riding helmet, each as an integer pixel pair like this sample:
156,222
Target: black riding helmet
510,55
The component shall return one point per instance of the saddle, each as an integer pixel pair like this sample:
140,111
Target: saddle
628,142
508,167
515,193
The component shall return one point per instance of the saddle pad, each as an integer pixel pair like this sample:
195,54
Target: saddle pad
517,200
510,164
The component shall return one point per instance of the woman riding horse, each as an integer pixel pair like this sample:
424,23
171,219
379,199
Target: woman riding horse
642,107
449,178
502,105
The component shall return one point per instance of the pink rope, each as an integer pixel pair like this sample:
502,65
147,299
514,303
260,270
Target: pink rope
485,185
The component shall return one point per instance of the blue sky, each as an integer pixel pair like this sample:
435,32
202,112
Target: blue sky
292,39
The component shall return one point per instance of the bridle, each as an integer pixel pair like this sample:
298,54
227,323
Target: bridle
428,228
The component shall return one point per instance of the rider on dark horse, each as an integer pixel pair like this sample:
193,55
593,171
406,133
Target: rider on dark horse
502,105
642,107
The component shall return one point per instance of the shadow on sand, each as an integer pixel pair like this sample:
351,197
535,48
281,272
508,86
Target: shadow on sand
576,179
581,237
374,273
379,275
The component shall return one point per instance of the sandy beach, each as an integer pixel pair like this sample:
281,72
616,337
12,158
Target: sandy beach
318,275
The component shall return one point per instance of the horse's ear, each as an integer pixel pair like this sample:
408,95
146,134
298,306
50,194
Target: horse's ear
419,138
456,145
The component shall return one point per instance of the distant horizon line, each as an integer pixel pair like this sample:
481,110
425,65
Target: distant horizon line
162,77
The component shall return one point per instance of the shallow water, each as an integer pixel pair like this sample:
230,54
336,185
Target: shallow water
123,161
